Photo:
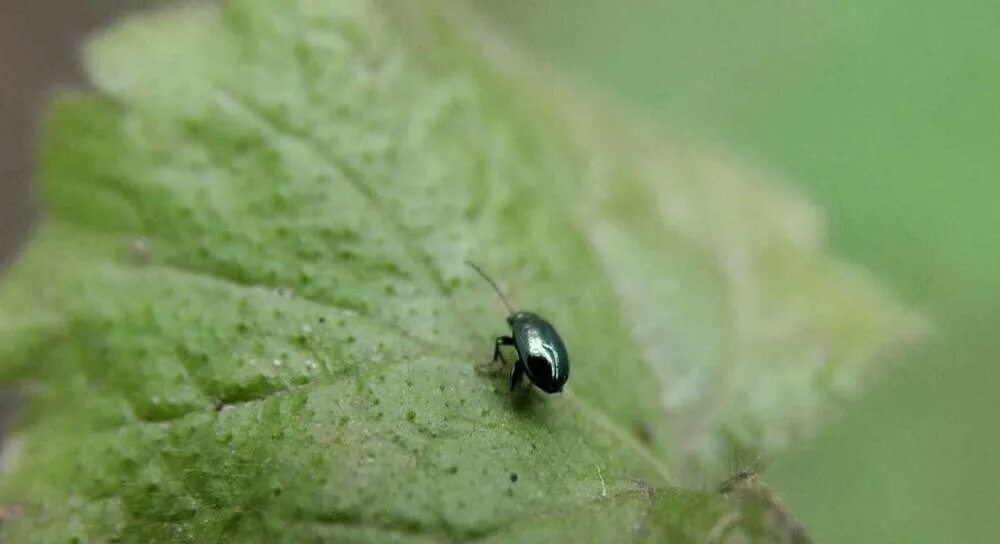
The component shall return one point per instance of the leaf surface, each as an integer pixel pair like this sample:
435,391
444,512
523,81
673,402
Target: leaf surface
247,316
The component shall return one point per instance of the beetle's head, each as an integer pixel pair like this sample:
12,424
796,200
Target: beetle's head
514,316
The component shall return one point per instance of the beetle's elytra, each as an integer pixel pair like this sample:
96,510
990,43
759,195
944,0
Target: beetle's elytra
541,354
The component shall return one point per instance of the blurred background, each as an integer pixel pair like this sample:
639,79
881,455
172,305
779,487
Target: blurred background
887,113
38,56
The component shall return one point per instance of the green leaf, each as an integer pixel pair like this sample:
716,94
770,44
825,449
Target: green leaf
247,315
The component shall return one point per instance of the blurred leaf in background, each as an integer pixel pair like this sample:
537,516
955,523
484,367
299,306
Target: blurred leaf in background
38,44
886,112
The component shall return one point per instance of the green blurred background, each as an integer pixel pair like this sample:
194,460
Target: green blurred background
887,113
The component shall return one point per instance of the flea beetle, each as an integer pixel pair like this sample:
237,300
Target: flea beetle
541,355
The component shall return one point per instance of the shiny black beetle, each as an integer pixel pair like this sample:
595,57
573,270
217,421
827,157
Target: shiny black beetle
541,354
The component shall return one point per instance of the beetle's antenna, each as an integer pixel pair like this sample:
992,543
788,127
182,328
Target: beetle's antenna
492,283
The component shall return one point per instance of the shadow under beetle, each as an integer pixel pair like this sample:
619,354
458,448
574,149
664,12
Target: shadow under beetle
541,355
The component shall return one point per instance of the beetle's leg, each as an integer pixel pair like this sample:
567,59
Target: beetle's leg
493,366
501,341
517,374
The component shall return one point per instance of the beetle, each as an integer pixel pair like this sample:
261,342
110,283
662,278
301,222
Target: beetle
541,354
